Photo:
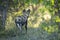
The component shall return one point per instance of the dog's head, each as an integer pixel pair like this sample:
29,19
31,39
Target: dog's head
26,12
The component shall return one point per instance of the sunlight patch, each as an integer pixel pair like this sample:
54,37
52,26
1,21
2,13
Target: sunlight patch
47,17
36,25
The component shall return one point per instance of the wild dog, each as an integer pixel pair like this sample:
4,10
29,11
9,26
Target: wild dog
22,20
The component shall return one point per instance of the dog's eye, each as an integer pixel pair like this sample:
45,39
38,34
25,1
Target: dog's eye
19,19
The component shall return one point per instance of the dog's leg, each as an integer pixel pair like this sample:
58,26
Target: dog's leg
26,26
19,26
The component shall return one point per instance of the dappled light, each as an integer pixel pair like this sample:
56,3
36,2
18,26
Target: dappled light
10,19
42,23
51,29
36,18
47,17
35,22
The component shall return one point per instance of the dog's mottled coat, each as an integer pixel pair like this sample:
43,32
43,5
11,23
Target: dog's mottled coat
22,20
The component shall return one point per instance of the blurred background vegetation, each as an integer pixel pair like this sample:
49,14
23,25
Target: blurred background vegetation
43,22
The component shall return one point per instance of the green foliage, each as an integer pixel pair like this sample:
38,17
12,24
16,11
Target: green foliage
36,21
52,1
0,2
57,19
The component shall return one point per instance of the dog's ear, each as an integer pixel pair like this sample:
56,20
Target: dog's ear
24,10
28,10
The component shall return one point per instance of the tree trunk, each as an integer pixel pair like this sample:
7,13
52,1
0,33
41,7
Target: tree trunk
5,13
57,13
